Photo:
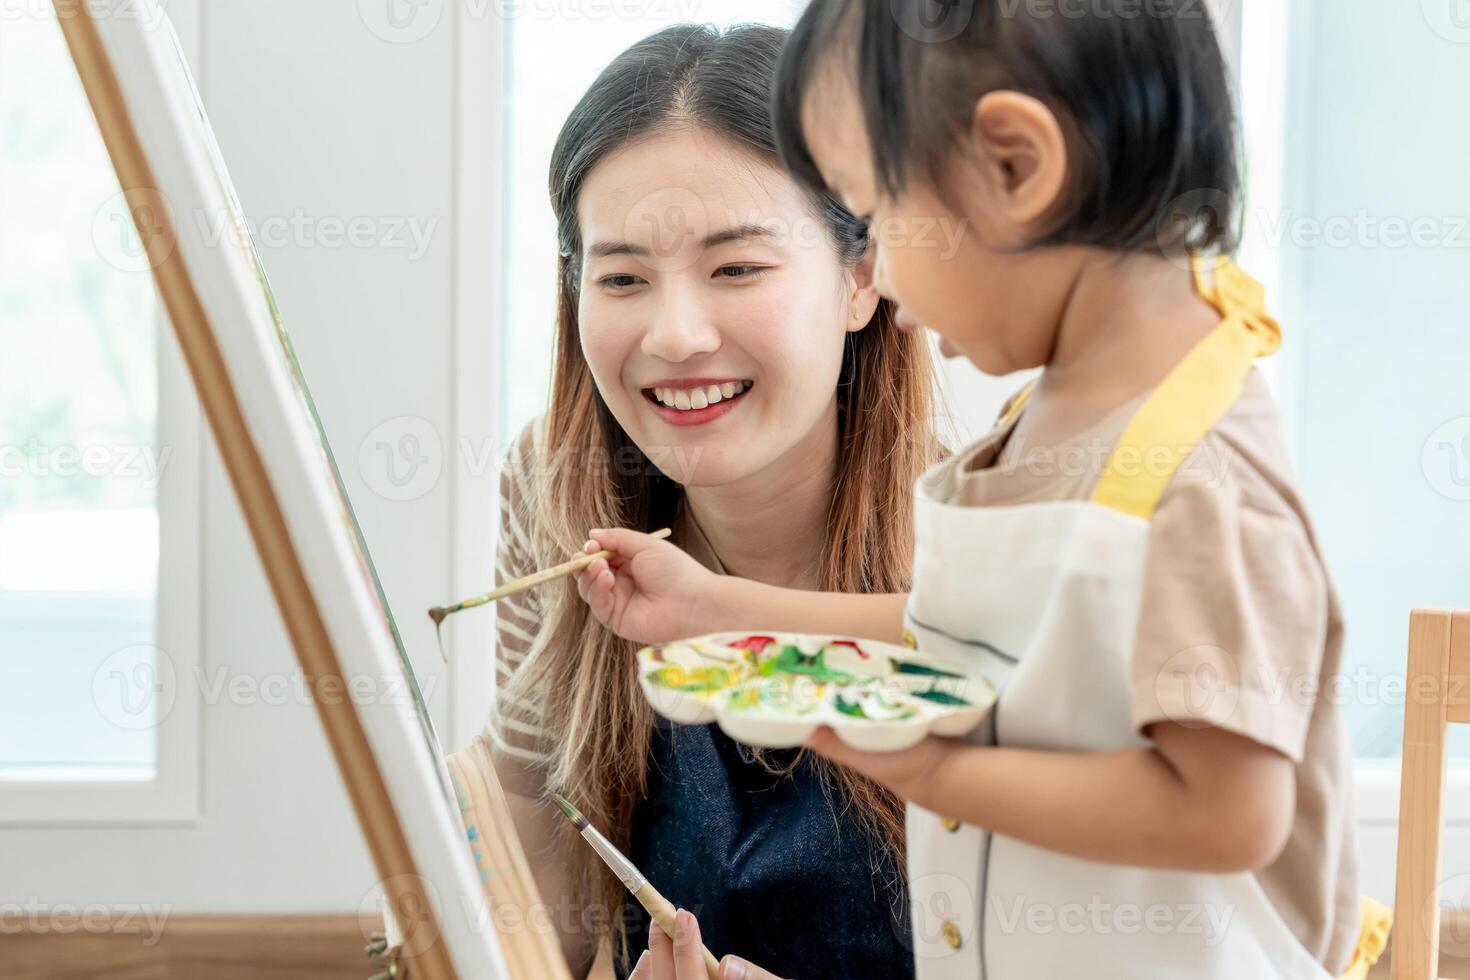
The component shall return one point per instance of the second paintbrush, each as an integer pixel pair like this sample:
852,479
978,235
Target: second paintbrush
660,909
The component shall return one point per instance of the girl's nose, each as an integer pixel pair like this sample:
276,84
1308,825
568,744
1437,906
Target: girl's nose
880,271
681,329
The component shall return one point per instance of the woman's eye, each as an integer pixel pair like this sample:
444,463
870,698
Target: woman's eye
740,271
619,281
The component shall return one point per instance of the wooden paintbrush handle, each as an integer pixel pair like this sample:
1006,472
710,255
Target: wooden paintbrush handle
662,911
556,571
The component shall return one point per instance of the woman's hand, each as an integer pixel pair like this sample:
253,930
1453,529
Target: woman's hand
682,958
650,591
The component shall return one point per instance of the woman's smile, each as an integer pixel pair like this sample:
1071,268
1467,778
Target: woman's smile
694,401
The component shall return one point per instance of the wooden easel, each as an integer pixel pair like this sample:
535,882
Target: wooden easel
1437,693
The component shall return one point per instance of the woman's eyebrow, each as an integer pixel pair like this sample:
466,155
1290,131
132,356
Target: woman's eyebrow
739,233
736,233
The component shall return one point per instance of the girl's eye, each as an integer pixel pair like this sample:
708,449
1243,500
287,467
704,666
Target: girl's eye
619,281
741,271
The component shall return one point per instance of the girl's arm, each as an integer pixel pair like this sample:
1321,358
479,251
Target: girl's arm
741,602
1199,799
653,592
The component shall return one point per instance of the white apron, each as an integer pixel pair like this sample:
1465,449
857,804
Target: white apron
1043,600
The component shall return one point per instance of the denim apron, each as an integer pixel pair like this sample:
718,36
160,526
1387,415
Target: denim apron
1042,599
774,871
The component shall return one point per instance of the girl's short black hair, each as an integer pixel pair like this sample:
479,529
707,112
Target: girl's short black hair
1139,86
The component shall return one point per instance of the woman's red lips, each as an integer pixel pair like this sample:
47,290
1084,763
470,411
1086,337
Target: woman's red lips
682,388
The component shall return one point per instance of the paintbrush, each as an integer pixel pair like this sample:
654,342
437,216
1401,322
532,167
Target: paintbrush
660,909
439,613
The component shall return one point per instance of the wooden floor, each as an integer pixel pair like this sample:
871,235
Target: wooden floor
199,948
322,948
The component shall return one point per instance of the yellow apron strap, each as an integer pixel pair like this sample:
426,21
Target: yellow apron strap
1200,389
1017,404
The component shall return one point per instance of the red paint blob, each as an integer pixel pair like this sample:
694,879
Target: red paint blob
755,644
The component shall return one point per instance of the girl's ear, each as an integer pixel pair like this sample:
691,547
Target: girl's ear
1023,156
862,300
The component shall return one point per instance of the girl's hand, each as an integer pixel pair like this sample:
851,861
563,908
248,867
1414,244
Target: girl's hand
682,958
650,591
910,773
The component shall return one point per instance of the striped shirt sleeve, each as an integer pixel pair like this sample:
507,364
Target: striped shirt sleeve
520,748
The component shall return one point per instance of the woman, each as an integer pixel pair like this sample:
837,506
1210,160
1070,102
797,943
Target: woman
724,367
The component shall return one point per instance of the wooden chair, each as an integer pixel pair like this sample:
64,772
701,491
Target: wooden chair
1437,693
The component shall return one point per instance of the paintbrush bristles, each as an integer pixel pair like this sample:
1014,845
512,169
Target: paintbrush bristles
572,813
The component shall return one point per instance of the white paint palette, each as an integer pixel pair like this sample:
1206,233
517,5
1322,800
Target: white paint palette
773,690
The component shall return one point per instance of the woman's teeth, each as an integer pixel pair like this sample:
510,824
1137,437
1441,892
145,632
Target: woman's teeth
687,399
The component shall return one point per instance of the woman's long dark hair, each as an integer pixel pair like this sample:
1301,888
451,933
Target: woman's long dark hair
577,673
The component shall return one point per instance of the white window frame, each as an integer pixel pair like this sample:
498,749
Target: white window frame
482,54
172,796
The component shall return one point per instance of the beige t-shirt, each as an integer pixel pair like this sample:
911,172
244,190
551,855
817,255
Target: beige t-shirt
520,749
1232,565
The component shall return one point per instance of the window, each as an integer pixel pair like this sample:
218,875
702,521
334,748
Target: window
95,681
1360,224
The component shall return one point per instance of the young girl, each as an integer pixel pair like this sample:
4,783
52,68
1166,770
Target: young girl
1160,790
